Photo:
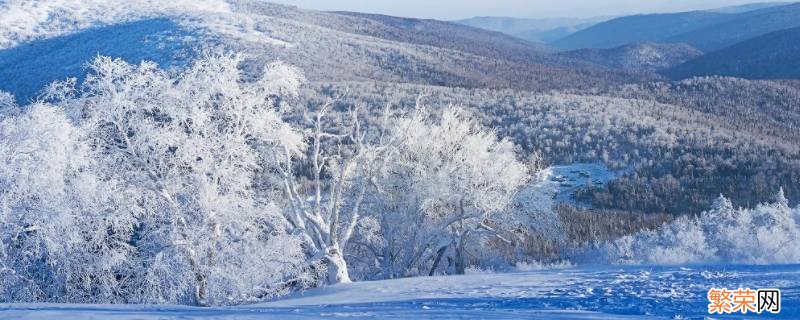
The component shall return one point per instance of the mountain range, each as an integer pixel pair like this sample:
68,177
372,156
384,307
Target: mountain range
754,41
705,30
774,55
534,30
340,46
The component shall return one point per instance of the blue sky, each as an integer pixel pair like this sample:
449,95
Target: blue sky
456,9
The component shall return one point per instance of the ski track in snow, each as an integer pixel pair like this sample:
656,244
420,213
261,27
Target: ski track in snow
609,292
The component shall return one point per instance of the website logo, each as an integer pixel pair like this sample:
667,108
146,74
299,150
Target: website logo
724,301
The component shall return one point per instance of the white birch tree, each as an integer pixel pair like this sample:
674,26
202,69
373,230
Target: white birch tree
328,209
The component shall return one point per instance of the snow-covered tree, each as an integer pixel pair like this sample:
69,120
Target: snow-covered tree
327,210
170,206
445,181
65,231
190,145
41,159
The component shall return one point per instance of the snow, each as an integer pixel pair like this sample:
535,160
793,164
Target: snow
384,311
570,178
44,41
35,64
588,292
24,20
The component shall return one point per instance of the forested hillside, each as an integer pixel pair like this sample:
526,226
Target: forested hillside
685,143
743,27
639,28
229,152
639,56
705,30
771,56
329,47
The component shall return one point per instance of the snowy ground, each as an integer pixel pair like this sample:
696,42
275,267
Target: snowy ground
573,293
569,178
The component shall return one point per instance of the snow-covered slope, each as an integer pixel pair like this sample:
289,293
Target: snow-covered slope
25,20
328,46
572,293
638,56
27,68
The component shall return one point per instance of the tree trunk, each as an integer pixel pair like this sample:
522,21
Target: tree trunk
460,255
337,266
460,245
439,254
201,289
200,280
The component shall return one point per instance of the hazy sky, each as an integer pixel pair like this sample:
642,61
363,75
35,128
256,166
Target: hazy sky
456,9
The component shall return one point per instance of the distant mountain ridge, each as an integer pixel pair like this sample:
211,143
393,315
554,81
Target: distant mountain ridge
705,30
774,55
750,7
535,30
446,34
747,25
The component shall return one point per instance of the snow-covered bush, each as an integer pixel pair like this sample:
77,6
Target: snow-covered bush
139,186
764,235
